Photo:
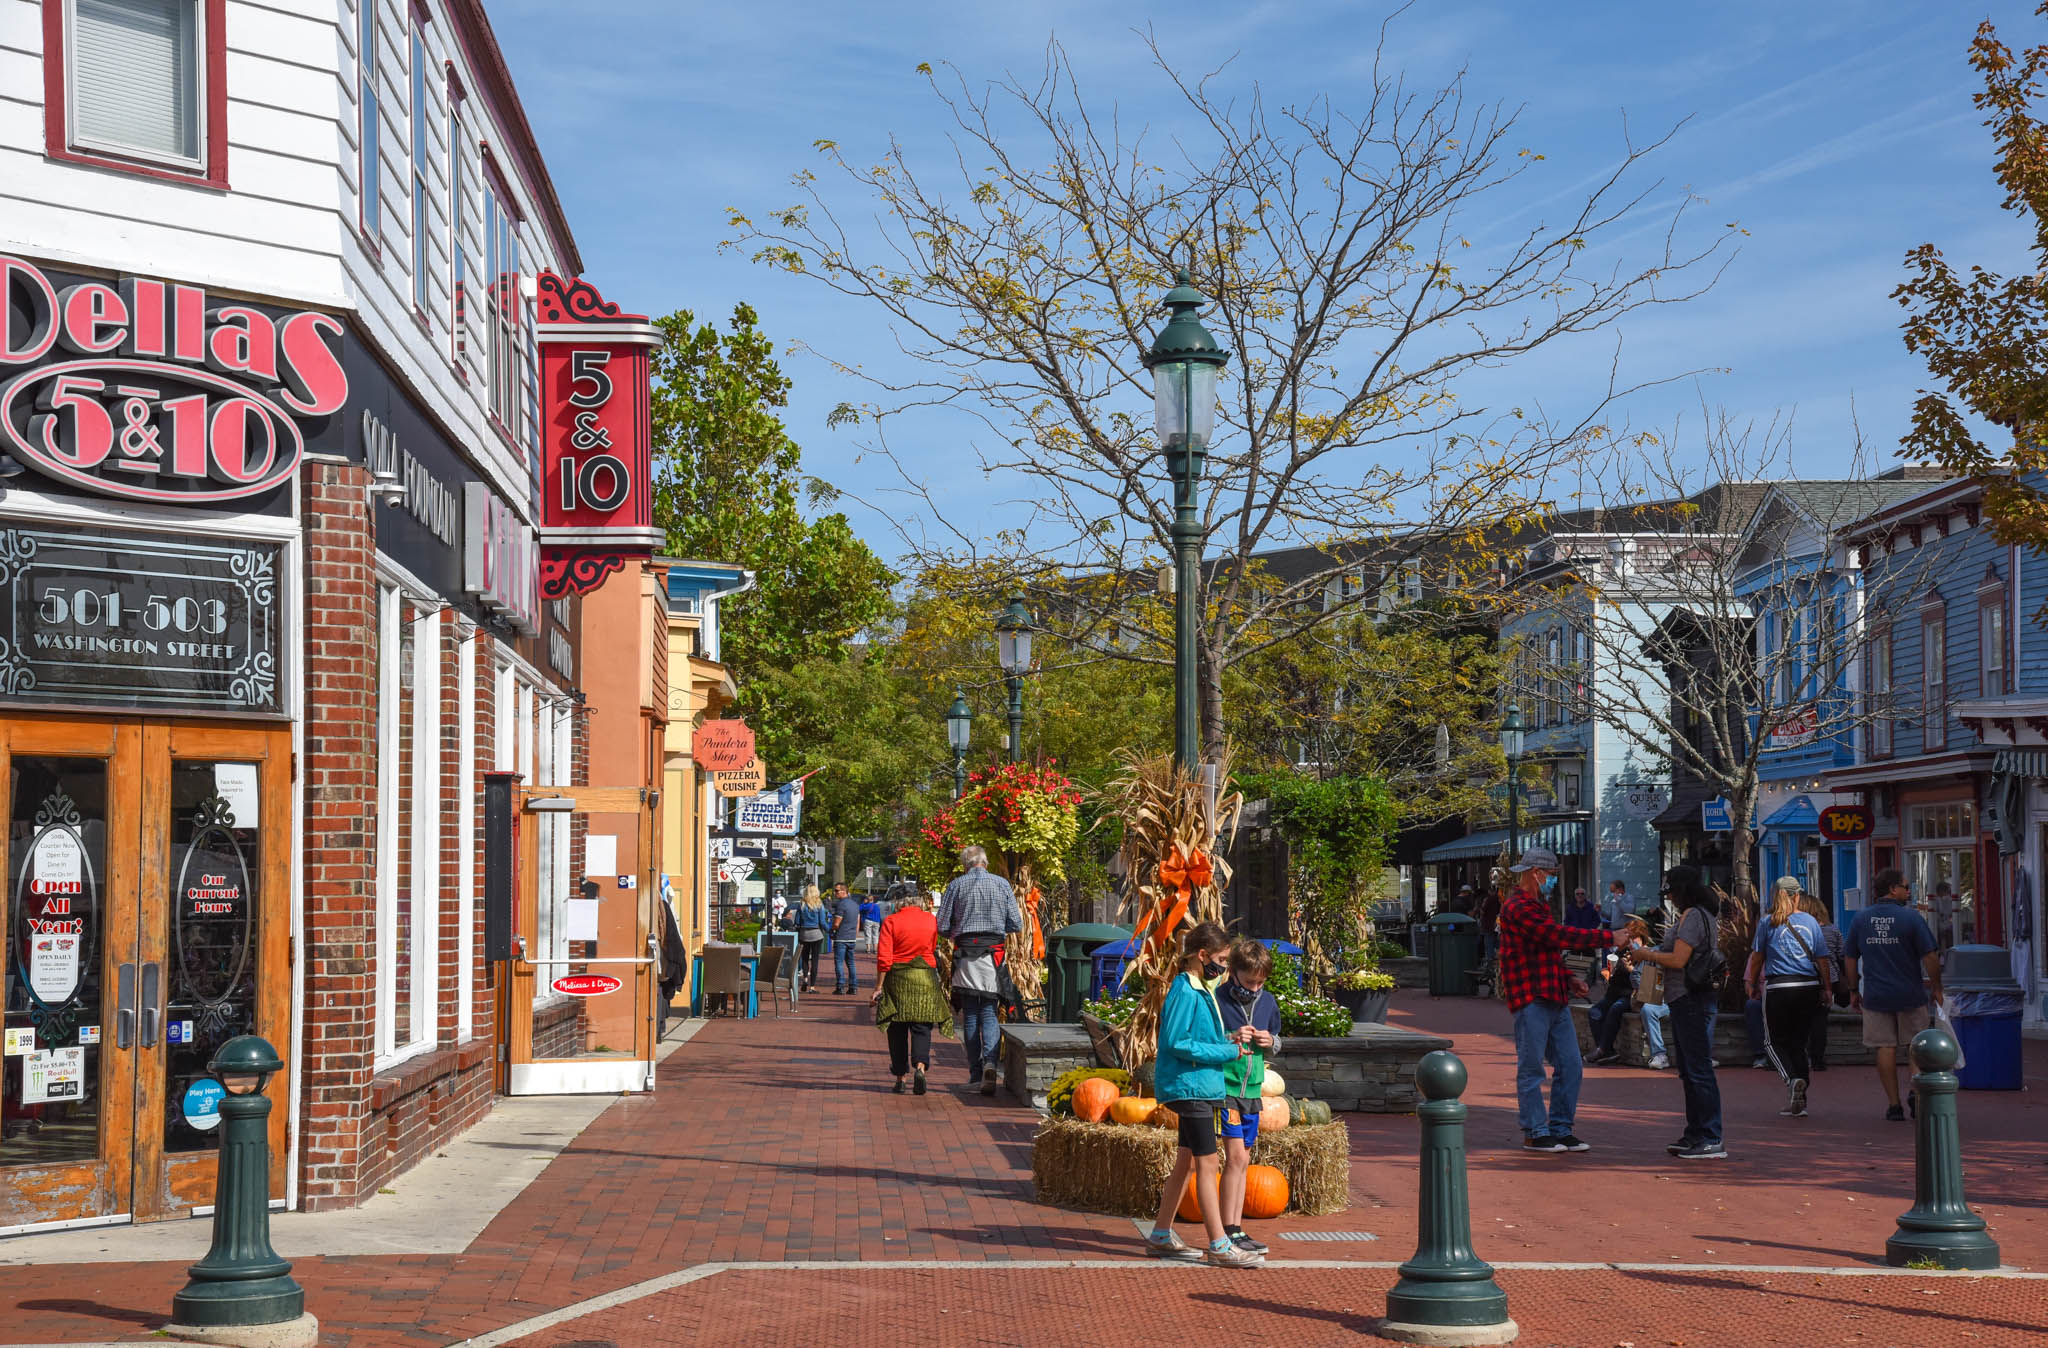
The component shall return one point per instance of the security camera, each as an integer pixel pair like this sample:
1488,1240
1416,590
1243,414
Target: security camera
386,487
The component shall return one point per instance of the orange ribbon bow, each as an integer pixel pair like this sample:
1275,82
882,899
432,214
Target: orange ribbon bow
1183,873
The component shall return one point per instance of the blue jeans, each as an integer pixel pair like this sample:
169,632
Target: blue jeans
842,964
979,1033
1544,1033
1692,1054
1653,1027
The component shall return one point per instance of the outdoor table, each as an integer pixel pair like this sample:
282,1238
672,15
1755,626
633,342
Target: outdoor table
751,962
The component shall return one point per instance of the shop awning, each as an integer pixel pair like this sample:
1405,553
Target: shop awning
2021,762
1566,837
1796,815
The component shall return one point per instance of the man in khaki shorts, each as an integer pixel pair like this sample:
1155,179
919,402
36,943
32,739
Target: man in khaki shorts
1895,967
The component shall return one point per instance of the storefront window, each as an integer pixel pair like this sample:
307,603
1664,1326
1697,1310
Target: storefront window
55,1010
408,698
1941,865
216,876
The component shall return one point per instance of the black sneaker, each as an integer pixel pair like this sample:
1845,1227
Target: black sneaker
1245,1242
1683,1144
1703,1151
988,1080
1570,1143
897,1089
1542,1142
1895,1115
918,1087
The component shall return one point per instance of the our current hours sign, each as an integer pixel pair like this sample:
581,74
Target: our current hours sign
138,620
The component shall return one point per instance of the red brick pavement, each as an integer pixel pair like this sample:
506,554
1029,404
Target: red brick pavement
773,1140
1085,1308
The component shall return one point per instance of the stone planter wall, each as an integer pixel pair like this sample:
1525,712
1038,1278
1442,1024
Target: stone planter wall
1371,1070
1408,973
1731,1039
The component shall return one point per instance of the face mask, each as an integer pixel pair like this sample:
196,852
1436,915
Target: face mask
1239,993
1211,969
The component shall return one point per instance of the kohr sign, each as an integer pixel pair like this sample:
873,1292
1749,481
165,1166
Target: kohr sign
150,391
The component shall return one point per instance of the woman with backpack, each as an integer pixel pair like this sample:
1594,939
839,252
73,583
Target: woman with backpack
1694,972
1789,971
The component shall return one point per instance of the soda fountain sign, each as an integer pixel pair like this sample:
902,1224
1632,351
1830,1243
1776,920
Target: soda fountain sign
597,478
148,390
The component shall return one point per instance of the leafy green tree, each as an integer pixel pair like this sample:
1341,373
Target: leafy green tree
1983,335
729,486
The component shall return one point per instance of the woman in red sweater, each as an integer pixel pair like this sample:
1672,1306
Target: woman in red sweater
909,1000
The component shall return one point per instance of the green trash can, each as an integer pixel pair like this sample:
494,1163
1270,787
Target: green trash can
1067,966
1453,955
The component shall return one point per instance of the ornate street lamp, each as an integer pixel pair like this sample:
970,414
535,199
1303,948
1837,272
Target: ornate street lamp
1512,740
959,725
1013,653
1186,365
242,1280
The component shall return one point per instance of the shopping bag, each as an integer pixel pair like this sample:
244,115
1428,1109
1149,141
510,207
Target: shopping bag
1942,1021
1649,985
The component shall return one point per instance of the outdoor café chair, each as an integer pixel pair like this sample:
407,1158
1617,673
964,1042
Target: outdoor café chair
725,976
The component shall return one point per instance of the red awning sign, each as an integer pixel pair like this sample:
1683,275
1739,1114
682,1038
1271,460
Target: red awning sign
586,985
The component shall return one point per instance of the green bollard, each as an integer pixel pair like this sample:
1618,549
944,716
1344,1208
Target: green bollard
242,1292
1447,1295
1939,1226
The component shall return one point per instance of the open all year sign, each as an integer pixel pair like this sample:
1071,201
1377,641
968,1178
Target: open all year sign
137,620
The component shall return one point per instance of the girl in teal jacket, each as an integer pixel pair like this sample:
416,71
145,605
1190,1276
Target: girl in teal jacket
1188,1079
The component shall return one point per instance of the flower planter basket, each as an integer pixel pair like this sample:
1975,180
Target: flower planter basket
1366,1005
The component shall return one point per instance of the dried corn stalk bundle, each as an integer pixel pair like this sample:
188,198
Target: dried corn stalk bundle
1024,952
1173,877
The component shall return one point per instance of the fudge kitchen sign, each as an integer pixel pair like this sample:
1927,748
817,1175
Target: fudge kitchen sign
155,391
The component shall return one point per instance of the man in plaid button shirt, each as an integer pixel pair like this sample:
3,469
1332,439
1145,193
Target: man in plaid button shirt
1538,989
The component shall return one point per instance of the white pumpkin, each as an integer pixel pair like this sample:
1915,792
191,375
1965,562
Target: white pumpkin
1274,1084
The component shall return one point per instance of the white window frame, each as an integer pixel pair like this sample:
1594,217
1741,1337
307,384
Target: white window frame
419,141
390,613
458,255
426,829
1994,679
1934,681
369,126
465,837
1879,700
200,93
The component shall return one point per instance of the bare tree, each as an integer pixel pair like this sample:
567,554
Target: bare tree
1710,613
1361,269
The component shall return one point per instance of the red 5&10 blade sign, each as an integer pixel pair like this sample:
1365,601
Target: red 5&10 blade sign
597,476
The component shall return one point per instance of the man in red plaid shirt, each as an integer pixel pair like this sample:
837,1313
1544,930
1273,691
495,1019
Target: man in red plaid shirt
1538,989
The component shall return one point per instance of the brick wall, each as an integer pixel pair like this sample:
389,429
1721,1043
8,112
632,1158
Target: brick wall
360,1128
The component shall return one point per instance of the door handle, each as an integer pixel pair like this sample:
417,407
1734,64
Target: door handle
124,1016
152,1003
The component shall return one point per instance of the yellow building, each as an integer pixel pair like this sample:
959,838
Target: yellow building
700,688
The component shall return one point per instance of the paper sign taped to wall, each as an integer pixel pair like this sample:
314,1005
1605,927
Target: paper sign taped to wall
601,856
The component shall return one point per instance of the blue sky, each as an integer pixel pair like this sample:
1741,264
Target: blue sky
1837,133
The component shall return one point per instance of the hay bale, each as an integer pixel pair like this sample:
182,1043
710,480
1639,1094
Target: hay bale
1104,1167
1316,1158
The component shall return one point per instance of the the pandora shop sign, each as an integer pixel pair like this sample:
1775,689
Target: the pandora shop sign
153,622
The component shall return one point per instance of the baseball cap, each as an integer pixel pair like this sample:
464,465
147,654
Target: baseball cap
1536,859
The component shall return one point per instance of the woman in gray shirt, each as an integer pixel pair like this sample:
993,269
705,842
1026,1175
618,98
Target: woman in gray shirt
1690,942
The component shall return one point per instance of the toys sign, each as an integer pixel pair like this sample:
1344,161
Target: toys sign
1846,823
597,478
155,394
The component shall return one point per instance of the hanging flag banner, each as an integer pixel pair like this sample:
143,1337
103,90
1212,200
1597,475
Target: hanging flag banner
779,812
597,476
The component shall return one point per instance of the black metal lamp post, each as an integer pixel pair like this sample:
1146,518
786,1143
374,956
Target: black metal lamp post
959,725
1186,365
1512,739
1013,653
242,1280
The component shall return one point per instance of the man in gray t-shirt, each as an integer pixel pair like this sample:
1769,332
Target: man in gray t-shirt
845,931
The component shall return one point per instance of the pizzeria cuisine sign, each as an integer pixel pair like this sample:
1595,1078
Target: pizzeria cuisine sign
151,391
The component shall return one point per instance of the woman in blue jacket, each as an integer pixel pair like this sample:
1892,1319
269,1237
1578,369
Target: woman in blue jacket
1188,1079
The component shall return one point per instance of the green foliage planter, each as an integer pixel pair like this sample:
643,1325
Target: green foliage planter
1364,993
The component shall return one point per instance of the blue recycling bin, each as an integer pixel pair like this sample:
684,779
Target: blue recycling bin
1986,1004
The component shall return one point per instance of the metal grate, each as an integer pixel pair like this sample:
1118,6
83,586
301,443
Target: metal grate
1326,1235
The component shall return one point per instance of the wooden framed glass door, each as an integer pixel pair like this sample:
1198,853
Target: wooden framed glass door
146,922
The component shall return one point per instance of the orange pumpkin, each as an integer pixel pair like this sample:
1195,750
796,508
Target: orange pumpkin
1132,1109
1092,1099
1265,1192
1163,1117
1274,1113
1191,1206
